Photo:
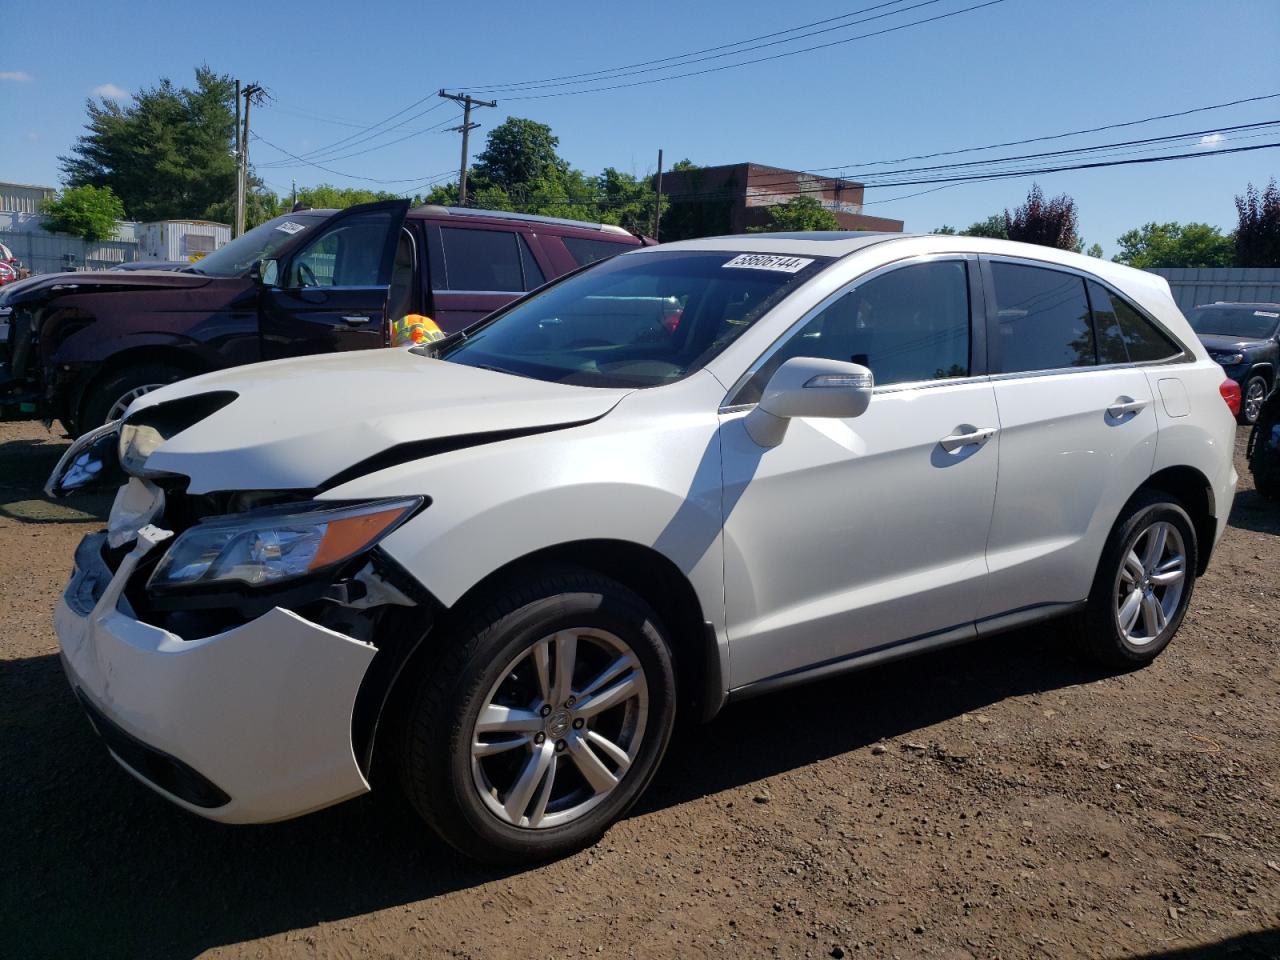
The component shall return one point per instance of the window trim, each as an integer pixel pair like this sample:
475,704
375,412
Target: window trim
993,321
977,329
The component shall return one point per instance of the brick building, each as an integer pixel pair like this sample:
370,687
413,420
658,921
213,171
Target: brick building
737,196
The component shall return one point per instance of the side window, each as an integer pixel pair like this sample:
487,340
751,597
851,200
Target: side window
533,277
586,251
1144,341
481,259
1106,326
349,255
906,325
1043,319
403,274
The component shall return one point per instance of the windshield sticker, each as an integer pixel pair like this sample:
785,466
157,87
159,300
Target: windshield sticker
1266,313
291,228
769,261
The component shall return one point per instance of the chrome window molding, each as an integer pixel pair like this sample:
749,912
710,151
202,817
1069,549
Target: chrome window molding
783,338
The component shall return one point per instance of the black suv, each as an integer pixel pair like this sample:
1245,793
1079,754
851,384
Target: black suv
1245,339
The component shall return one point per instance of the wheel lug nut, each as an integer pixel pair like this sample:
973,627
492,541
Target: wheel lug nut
579,724
546,710
571,701
540,738
560,745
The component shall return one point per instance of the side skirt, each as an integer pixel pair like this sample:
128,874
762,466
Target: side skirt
900,649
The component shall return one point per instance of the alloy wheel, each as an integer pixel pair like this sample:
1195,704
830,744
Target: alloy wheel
1150,583
560,728
1253,400
122,404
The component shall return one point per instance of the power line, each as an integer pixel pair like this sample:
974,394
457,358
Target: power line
367,133
680,56
336,173
627,71
776,56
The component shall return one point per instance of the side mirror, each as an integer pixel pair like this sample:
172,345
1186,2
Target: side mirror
809,387
266,272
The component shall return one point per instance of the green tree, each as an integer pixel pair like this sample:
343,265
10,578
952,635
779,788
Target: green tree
799,213
518,152
260,205
165,155
89,213
993,226
1257,238
1049,223
1175,245
1094,250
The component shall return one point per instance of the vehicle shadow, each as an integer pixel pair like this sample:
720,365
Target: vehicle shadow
1251,511
1259,945
25,465
98,865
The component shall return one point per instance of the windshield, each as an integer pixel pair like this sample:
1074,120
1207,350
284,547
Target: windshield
260,243
1245,322
638,320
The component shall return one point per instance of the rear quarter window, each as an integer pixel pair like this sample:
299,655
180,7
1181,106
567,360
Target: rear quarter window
586,251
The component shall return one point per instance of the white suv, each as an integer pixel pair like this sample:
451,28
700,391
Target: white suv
689,474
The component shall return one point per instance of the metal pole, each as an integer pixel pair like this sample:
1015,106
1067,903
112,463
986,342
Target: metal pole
657,198
239,217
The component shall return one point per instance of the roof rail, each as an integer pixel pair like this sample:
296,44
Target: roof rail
440,211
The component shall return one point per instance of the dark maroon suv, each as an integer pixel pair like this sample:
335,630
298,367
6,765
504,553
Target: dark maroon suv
82,346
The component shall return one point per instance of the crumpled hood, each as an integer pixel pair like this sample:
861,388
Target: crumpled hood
297,423
1221,343
89,280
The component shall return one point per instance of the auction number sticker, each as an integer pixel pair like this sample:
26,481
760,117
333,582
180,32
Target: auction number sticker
1266,313
291,228
769,261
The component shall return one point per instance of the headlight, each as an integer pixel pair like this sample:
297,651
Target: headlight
1228,359
269,546
137,442
89,462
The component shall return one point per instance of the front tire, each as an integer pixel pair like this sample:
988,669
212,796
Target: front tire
544,721
109,399
1144,582
1252,398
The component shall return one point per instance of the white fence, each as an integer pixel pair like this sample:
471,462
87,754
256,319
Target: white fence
51,253
1193,286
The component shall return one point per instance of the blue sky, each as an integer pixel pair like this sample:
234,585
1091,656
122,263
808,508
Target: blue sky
1021,68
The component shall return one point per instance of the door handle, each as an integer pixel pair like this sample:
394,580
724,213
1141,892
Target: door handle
355,319
1123,405
957,440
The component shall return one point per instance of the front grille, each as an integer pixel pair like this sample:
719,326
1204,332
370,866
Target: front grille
166,772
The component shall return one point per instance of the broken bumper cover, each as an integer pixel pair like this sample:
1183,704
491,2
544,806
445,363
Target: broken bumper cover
247,726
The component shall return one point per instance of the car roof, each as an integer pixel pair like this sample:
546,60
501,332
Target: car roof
1239,305
433,210
827,243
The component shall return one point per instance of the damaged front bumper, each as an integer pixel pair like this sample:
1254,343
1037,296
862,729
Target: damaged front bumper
250,725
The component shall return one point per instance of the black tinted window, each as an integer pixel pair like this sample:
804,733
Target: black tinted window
481,259
1144,341
1043,319
1106,326
906,325
589,251
348,254
533,277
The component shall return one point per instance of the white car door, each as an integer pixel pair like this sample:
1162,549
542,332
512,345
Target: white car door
854,535
1077,437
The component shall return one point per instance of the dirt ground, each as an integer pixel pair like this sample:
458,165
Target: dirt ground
996,800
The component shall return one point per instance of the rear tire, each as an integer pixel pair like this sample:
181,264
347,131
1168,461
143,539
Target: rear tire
503,755
1144,583
109,399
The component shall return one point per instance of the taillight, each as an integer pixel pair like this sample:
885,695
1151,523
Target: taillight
1230,391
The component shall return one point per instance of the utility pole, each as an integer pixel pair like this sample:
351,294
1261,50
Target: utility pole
250,93
239,219
467,102
657,197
